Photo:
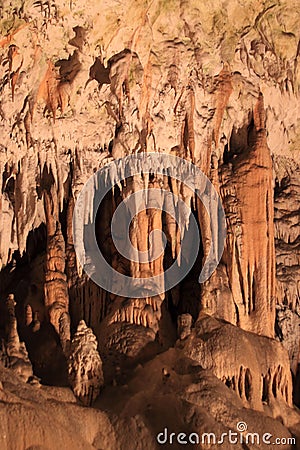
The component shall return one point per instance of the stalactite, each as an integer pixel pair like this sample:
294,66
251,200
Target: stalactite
15,353
222,95
252,267
71,268
137,312
119,66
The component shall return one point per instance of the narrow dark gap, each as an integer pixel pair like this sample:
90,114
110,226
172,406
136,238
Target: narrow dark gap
240,382
296,384
103,223
267,211
171,306
253,293
110,146
226,155
265,396
69,68
186,133
241,279
248,385
274,387
63,219
9,189
237,315
249,283
281,186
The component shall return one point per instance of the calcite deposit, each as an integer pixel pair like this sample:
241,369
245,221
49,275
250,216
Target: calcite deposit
85,84
85,365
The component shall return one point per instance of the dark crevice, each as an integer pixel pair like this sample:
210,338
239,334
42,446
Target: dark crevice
265,395
248,385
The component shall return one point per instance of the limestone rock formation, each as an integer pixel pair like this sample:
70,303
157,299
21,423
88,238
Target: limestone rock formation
288,324
85,84
13,352
248,194
56,292
85,365
184,324
25,419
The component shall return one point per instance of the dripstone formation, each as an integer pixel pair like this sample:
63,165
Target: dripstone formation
85,365
86,84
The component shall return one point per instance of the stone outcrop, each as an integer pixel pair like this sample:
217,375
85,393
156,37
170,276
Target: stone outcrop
259,378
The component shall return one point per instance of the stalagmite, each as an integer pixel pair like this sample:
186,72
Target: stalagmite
56,289
64,332
13,341
14,353
184,324
85,365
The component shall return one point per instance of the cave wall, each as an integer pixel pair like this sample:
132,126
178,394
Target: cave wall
80,88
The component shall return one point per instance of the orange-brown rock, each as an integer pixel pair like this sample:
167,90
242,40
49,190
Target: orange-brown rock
85,365
259,378
56,288
84,84
247,192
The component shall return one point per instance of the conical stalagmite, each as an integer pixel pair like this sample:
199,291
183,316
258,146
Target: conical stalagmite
85,365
